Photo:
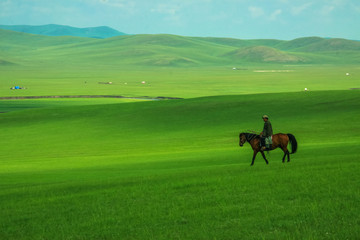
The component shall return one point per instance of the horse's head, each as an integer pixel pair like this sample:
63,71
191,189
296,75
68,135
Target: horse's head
242,138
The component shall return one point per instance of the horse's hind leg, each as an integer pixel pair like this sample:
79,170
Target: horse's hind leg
262,153
286,153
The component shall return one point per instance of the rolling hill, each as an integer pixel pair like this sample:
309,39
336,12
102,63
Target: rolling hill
61,30
170,50
263,54
317,44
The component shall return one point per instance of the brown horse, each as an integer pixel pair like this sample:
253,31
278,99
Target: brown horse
280,140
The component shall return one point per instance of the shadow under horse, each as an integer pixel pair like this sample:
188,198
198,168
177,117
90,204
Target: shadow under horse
279,140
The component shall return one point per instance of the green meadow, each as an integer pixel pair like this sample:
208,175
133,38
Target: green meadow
117,168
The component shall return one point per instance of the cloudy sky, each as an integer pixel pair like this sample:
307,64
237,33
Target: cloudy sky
244,19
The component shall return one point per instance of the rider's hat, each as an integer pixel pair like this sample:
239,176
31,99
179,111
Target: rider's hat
265,116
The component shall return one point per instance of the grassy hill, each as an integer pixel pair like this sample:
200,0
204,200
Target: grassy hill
170,50
243,43
61,30
264,54
316,44
173,169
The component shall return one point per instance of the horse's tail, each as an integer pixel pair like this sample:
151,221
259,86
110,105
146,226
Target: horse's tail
293,143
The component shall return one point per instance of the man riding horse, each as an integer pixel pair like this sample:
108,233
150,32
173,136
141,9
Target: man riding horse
266,142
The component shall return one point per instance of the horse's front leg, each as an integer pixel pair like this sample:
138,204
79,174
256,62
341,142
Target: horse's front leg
262,153
283,159
253,159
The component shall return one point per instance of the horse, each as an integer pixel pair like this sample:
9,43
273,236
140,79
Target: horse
279,140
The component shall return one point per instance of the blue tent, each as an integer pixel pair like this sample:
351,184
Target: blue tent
17,87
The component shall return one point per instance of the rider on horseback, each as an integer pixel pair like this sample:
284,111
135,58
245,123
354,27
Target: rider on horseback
266,134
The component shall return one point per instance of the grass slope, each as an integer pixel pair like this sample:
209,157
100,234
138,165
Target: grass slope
174,170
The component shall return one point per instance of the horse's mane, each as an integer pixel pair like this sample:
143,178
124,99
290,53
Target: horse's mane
251,136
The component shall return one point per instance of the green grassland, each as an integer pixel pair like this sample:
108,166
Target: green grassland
173,169
180,82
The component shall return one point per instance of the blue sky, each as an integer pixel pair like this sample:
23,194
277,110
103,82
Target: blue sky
244,19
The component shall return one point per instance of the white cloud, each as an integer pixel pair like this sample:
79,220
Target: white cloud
299,9
118,3
326,10
338,2
256,11
274,14
165,9
356,8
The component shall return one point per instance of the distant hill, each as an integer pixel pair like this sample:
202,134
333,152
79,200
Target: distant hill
61,30
164,50
317,44
264,54
244,43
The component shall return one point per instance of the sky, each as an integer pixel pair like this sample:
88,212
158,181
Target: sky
242,19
